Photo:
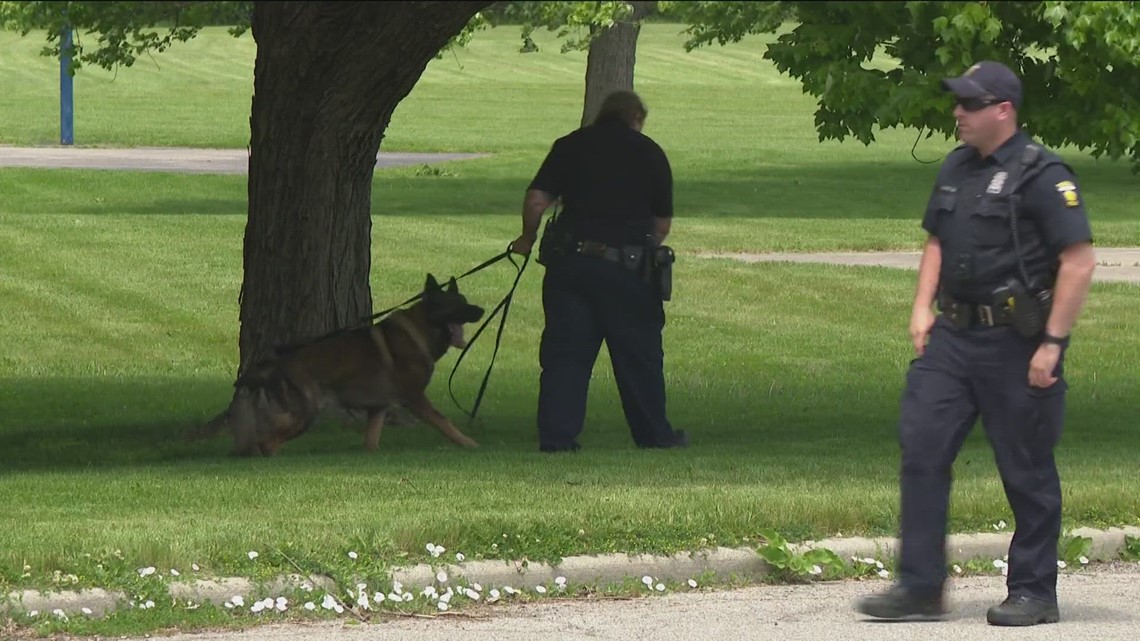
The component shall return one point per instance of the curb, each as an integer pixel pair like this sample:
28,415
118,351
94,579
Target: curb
722,562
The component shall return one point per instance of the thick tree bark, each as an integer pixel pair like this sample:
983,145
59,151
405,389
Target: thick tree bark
327,78
609,64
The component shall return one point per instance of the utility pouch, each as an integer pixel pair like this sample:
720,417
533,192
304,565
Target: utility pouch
1025,310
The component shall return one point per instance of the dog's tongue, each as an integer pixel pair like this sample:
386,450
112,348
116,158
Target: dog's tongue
457,335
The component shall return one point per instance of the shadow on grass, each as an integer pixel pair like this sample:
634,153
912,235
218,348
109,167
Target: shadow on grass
72,424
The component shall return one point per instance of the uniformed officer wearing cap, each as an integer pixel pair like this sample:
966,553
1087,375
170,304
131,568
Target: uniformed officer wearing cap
1009,261
617,190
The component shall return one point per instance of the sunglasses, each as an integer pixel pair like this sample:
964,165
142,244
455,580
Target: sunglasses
977,104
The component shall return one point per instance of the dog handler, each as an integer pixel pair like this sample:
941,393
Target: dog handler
1010,259
606,273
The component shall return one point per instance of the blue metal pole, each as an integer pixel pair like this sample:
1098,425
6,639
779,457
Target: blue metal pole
66,91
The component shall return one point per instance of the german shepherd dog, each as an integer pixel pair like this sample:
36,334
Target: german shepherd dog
370,369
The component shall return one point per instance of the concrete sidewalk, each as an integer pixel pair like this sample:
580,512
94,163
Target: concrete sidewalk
170,159
1115,264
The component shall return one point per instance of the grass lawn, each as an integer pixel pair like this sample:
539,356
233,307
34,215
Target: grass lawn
118,318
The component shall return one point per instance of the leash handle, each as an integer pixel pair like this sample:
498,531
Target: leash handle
504,306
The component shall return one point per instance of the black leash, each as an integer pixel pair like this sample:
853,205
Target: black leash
480,267
504,306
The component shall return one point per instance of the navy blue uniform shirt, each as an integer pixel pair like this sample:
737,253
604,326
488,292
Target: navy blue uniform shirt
613,181
970,209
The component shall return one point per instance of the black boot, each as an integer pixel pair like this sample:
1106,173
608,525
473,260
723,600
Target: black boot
901,603
1023,610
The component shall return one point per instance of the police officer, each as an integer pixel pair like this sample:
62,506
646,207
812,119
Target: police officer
616,188
1009,260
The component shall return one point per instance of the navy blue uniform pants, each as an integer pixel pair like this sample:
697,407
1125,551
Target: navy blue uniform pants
964,374
587,300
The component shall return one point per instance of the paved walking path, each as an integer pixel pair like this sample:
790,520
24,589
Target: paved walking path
215,161
1115,264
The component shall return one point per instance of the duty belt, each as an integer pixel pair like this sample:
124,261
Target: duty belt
601,250
963,314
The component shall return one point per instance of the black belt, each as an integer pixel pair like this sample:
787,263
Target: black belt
964,314
602,250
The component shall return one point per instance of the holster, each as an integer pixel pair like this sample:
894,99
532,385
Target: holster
555,242
663,259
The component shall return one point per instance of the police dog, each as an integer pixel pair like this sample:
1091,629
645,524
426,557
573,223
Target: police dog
370,369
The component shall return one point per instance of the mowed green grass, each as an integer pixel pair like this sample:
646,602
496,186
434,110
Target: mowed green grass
118,311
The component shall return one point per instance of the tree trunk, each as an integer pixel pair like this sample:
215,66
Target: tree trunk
327,77
609,64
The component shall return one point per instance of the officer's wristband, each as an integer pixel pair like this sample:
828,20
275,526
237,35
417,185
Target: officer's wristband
1049,339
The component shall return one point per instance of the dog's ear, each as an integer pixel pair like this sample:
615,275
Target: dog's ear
452,288
431,283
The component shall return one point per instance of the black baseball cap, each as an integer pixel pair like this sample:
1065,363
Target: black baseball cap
987,80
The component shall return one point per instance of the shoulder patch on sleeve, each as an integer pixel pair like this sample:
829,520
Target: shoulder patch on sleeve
1068,191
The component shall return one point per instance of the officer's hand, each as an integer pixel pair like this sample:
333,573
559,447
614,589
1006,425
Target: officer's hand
522,245
921,322
1043,364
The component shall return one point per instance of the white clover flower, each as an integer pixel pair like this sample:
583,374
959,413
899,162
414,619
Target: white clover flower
692,583
446,597
59,613
883,574
252,555
362,601
660,587
146,571
472,594
815,570
149,604
428,592
281,604
541,589
408,596
174,572
257,607
352,555
86,611
338,609
310,606
238,600
647,580
494,593
478,588
397,587
329,602
441,576
442,605
957,569
560,581
194,566
1084,560
392,596
459,557
1061,565
999,564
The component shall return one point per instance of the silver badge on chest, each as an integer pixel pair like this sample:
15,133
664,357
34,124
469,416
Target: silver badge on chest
996,183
